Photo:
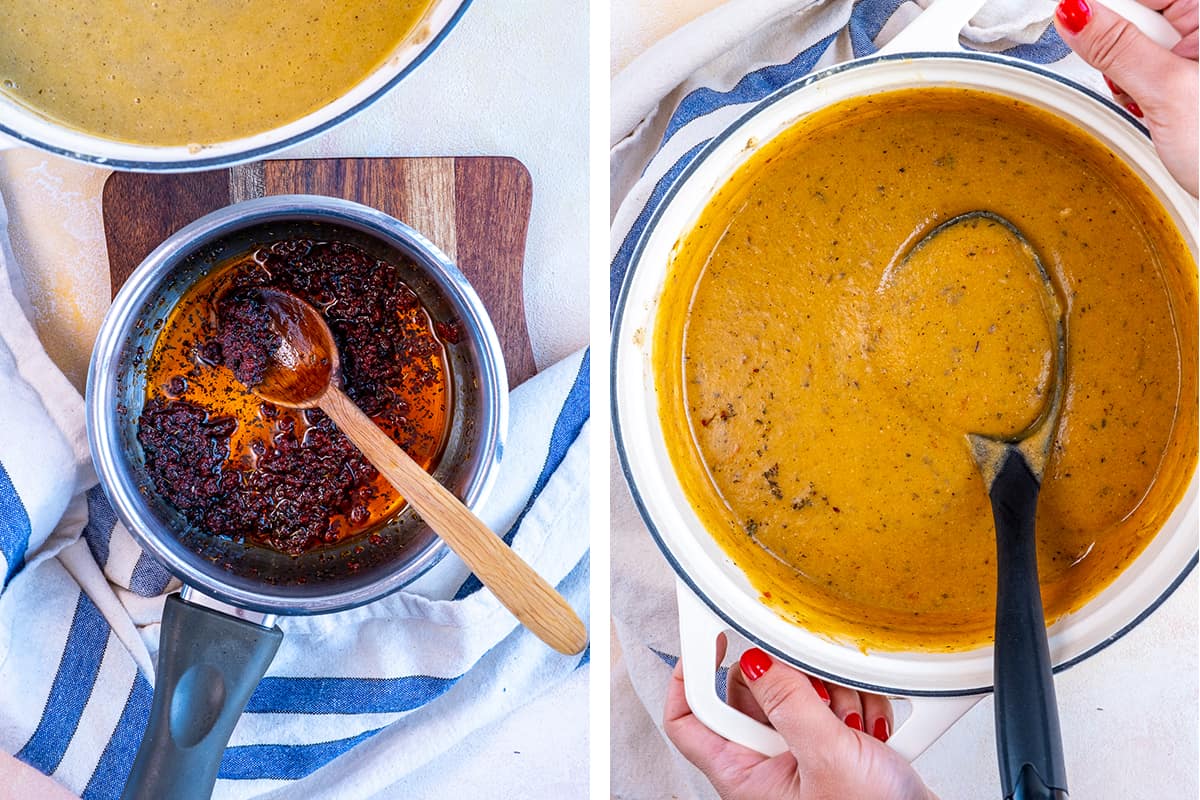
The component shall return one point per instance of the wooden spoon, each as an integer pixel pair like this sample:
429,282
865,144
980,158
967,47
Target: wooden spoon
302,373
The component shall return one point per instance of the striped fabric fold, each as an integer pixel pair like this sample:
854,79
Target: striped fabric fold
566,430
108,779
346,695
73,683
752,87
686,134
14,528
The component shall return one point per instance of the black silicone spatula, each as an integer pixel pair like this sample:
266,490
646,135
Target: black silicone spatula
1028,739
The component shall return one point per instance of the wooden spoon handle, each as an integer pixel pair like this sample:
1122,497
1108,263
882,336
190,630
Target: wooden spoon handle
514,583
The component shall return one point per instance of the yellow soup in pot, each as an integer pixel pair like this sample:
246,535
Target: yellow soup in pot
816,388
180,72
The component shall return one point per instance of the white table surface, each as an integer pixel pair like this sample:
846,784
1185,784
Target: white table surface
1129,714
491,88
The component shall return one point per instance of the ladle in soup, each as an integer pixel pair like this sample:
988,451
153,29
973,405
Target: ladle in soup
1023,299
282,349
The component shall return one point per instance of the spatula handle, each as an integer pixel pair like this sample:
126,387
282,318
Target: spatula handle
514,583
1028,738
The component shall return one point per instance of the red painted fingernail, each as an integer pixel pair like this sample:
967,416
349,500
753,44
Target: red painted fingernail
822,692
755,663
1073,14
1134,109
881,729
1112,86
854,720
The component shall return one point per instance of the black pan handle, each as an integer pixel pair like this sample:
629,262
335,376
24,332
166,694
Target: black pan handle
1028,738
208,664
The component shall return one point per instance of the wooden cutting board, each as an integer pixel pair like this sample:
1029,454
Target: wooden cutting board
475,209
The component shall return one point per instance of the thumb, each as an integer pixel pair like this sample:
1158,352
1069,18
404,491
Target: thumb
1116,47
791,702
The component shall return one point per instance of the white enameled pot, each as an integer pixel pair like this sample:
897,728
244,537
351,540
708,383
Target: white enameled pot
19,124
713,594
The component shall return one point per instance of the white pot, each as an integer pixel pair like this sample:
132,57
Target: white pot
24,126
714,595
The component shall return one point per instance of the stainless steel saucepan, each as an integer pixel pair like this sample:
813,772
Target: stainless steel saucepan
219,635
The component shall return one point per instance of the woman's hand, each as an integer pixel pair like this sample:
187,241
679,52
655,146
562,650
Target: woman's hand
829,754
1150,81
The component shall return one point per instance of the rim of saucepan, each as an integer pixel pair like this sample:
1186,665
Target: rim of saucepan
931,674
29,127
104,426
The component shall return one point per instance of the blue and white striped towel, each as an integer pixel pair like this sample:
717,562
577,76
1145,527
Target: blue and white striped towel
383,689
666,106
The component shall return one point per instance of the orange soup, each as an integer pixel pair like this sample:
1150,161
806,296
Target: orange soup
816,401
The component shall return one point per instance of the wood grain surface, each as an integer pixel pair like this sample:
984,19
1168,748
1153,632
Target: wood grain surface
476,209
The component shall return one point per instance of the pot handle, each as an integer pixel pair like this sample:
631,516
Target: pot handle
1147,20
208,664
698,629
937,28
929,719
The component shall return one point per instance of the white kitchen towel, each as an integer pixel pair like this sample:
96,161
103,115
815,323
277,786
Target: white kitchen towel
666,106
353,701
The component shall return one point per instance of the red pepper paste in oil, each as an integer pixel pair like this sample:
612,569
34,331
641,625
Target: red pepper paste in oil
239,467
